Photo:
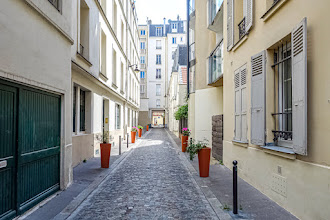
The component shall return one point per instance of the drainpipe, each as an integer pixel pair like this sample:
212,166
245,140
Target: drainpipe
188,46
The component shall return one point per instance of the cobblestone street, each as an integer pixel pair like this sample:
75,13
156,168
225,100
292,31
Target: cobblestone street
152,182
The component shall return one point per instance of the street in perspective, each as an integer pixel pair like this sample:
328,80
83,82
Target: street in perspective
164,109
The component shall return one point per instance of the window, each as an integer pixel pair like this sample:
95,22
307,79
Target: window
82,110
74,108
103,53
117,116
158,103
181,39
56,4
158,73
143,59
129,117
214,6
240,105
173,40
114,18
114,67
143,45
158,90
159,31
122,77
142,74
174,26
122,34
158,44
158,59
142,87
84,30
215,63
143,32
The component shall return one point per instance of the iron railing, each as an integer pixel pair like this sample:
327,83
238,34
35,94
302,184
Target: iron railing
241,28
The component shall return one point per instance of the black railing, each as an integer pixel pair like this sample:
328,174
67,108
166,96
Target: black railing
286,135
241,28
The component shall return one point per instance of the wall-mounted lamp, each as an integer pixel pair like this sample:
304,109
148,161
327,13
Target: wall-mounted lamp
136,70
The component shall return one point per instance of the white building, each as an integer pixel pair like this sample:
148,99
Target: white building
105,88
161,42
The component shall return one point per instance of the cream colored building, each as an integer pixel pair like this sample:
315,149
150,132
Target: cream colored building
276,100
205,67
105,87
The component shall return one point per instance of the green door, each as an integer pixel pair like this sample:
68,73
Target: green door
35,117
8,106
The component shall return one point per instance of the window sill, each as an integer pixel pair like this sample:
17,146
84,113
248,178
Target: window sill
103,77
84,59
240,42
241,143
280,151
274,8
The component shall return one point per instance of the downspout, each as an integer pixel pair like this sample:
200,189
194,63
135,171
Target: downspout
188,46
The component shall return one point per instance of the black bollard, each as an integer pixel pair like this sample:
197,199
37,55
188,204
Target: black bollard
235,186
119,145
127,139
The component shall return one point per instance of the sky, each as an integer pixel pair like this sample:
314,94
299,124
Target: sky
156,10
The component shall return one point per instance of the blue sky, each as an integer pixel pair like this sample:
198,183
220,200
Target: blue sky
156,10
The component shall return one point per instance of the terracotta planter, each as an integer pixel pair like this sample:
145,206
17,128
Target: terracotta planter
184,142
140,132
133,134
204,156
105,155
147,127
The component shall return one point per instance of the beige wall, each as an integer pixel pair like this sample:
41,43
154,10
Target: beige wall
307,178
83,148
144,118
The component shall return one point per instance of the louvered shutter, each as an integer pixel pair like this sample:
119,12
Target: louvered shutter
299,87
230,23
249,15
237,106
243,73
258,98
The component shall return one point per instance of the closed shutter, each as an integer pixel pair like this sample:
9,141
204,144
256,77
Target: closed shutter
258,98
237,106
243,72
299,87
230,23
249,15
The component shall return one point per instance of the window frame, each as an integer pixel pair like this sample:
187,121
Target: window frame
158,59
158,89
142,73
158,73
118,116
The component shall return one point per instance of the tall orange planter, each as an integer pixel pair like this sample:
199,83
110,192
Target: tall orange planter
133,134
147,127
184,142
140,132
204,156
105,155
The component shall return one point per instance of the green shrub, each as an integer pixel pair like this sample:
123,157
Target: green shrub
182,112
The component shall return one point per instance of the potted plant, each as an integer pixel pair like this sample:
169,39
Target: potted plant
140,130
105,150
204,156
184,138
133,134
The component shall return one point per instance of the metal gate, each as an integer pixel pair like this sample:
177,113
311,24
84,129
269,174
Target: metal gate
29,147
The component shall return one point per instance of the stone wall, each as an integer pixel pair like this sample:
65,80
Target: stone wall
217,137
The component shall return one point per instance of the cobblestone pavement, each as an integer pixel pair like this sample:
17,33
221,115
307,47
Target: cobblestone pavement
150,183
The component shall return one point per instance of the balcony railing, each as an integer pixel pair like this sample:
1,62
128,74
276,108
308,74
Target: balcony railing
158,47
216,64
143,65
143,51
241,28
214,6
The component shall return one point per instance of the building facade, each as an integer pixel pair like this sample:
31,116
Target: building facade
177,89
105,88
161,42
276,105
35,96
206,73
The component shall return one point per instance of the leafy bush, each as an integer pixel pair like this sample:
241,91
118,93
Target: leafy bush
140,127
134,129
195,146
185,132
182,112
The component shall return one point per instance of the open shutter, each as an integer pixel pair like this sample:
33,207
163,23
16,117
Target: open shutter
243,72
258,98
238,127
249,15
299,87
230,23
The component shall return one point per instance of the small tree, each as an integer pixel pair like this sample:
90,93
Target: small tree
182,112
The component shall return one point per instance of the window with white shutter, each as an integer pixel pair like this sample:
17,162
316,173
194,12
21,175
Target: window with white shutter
240,105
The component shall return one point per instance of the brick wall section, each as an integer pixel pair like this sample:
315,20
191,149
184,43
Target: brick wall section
217,136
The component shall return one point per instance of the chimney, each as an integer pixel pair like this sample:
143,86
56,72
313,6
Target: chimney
164,27
178,17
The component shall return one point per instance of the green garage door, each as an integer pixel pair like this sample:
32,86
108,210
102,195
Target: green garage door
29,147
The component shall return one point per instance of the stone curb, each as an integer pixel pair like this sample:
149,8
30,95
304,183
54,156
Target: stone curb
74,204
202,186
